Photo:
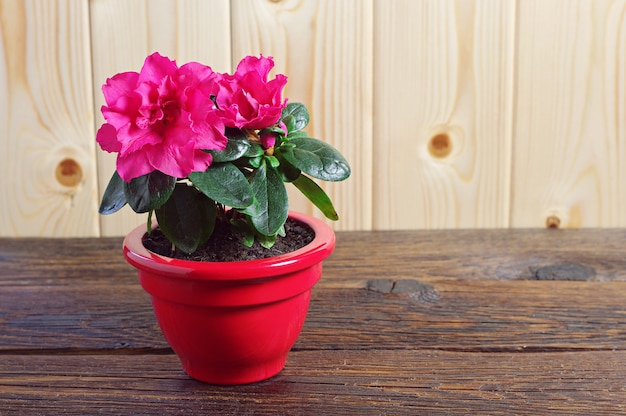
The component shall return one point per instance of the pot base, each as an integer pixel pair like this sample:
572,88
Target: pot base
232,376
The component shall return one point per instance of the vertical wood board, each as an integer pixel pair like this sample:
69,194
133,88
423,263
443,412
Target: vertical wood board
47,174
443,106
570,109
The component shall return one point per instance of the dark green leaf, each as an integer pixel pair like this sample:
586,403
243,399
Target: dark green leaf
296,134
114,198
290,122
224,183
273,161
273,129
317,158
187,218
316,195
271,207
235,148
148,192
254,150
295,116
150,221
255,162
288,172
242,226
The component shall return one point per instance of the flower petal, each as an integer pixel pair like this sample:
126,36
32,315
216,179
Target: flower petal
107,138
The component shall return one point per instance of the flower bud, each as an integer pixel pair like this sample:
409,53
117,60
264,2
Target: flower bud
268,140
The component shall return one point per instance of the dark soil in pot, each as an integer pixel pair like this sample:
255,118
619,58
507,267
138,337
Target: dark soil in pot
226,244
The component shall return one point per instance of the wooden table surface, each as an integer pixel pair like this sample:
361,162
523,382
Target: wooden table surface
497,322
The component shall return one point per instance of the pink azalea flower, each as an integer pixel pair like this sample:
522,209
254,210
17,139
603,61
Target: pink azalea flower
246,99
161,119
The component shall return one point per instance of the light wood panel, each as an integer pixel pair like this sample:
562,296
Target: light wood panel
443,100
47,167
125,32
325,48
570,128
453,113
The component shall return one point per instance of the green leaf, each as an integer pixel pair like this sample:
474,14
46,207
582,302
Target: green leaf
317,158
273,161
316,195
148,192
290,122
242,226
114,198
273,129
224,183
296,134
149,222
254,150
255,162
295,116
288,172
236,147
187,218
271,207
266,241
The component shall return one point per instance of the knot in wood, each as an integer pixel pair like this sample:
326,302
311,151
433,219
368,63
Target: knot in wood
69,173
564,271
440,145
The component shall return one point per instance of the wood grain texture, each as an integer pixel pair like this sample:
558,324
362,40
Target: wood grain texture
464,316
125,32
323,382
481,285
569,135
443,102
453,114
325,48
77,335
47,169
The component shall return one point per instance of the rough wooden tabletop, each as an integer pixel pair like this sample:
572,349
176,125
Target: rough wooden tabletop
497,322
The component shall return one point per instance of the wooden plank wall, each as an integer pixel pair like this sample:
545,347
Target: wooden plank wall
453,114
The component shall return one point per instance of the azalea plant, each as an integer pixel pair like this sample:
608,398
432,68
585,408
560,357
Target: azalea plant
195,146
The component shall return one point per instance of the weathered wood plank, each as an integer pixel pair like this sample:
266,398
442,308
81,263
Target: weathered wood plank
112,318
359,256
452,315
63,261
395,382
471,290
473,254
428,322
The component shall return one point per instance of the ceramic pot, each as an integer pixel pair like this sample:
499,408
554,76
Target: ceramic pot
232,322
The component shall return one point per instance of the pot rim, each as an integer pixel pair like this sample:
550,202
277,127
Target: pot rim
317,250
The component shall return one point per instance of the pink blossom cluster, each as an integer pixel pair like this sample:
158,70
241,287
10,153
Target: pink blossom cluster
166,117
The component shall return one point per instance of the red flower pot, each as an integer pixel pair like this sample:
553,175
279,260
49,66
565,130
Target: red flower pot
232,322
